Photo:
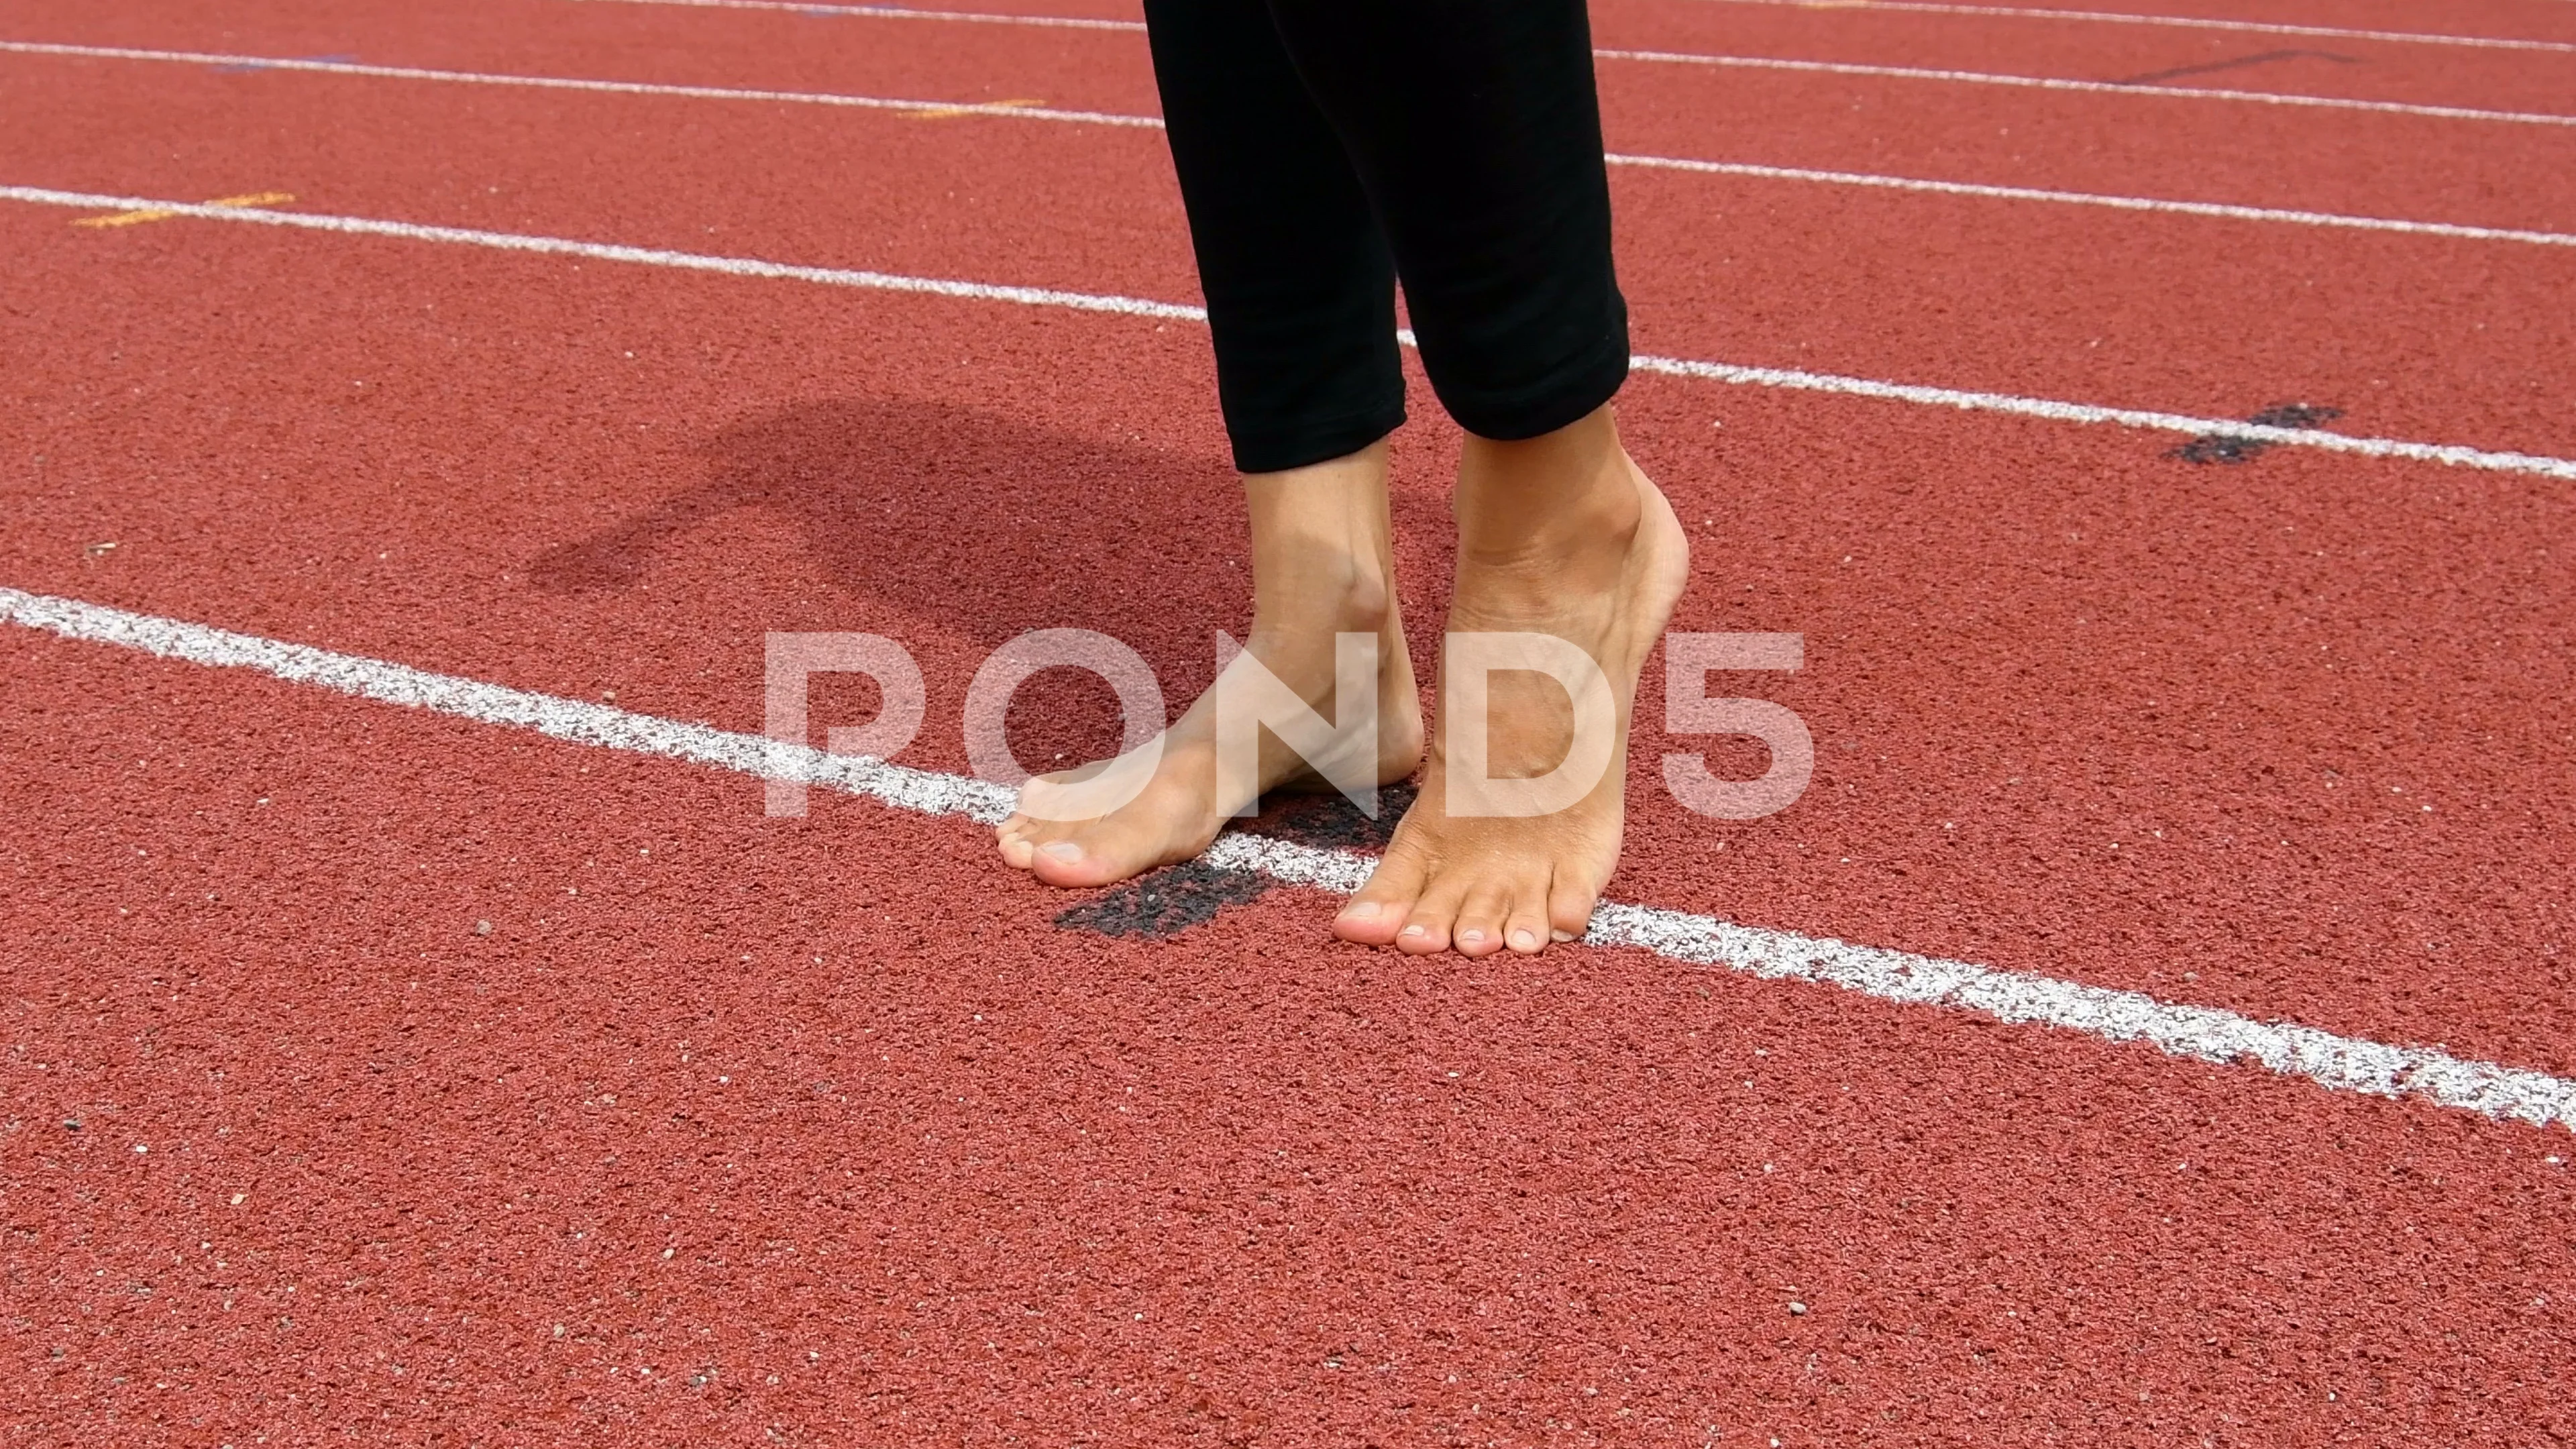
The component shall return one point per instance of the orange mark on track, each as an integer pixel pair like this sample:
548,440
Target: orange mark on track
137,218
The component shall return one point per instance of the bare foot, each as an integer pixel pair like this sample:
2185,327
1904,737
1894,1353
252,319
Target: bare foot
1558,535
1321,566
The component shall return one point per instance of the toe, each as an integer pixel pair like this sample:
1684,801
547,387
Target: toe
1423,934
1569,909
1479,928
1525,929
1070,863
1013,838
1379,910
1427,926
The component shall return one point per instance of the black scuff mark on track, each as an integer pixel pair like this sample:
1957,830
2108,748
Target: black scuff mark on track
2230,448
2241,62
1330,822
2295,415
1164,903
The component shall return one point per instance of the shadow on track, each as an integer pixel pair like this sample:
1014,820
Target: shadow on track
984,526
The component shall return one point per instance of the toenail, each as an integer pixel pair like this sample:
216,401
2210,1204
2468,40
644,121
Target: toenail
1471,935
1063,850
1360,911
1415,931
1560,935
1523,939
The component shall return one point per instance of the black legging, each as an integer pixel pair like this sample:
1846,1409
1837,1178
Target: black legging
1326,147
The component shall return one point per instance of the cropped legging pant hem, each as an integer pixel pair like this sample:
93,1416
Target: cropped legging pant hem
1327,148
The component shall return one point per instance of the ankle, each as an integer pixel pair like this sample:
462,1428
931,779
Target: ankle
1322,562
1549,502
1334,595
1580,541
1584,525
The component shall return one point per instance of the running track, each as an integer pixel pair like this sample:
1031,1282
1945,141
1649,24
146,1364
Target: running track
440,1079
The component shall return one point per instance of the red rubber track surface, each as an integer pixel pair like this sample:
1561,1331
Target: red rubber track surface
2375,70
2484,173
2371,648
826,1129
644,520
2429,338
2027,642
1777,273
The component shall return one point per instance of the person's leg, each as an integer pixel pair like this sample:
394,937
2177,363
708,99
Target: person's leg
1475,130
1300,288
1558,534
1301,302
1321,566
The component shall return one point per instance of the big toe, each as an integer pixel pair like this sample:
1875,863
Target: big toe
1374,915
1098,857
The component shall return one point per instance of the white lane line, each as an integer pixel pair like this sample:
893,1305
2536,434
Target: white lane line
2119,203
2448,454
2224,210
2185,22
2053,83
2340,1063
568,83
1750,62
904,12
610,252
